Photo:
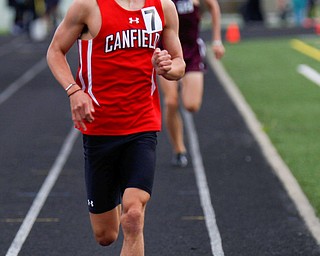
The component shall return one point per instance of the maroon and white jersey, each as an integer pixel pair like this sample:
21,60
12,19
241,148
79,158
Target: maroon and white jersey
189,20
192,45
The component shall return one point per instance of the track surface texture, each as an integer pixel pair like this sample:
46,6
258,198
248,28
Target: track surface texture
254,214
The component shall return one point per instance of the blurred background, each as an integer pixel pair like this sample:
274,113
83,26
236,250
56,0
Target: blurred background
254,212
17,15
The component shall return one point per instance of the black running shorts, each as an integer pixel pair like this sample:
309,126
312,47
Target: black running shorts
114,163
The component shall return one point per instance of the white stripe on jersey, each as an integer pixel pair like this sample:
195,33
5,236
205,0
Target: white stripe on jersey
153,85
89,55
89,69
80,71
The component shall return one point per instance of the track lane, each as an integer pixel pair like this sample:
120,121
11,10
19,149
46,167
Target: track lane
254,214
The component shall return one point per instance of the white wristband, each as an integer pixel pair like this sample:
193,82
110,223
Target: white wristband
69,86
216,43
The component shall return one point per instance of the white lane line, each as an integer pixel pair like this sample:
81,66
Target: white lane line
43,193
309,73
201,179
23,80
284,174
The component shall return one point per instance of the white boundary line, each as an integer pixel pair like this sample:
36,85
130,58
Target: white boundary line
309,73
201,179
270,153
23,80
43,193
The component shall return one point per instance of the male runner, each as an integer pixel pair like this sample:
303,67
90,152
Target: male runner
115,103
192,83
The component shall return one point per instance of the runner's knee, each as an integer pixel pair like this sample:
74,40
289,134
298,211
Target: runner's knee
194,107
105,237
132,221
172,103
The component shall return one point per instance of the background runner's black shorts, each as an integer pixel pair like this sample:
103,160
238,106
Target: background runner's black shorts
114,163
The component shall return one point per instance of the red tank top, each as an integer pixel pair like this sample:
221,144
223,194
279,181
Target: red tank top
115,69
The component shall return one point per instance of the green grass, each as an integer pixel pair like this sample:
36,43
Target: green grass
286,103
3,32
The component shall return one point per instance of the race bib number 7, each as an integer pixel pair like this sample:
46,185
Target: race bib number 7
151,19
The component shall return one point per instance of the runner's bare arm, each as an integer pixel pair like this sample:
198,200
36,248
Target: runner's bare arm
217,46
169,63
64,38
